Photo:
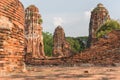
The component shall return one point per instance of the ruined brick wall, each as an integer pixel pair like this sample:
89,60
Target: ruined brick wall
33,33
99,15
105,51
61,46
11,36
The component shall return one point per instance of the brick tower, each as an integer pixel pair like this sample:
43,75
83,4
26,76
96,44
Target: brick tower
33,32
99,16
61,46
11,36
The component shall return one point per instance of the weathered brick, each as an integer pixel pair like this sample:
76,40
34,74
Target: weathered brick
33,34
11,34
61,47
99,16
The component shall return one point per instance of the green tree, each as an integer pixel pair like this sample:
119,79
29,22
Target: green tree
77,44
74,44
40,21
82,42
48,43
107,27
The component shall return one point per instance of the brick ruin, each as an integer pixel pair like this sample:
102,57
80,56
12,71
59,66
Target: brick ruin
105,51
61,46
15,45
99,15
33,33
11,36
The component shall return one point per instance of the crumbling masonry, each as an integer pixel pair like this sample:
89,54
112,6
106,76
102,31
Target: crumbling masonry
99,16
33,33
11,36
61,46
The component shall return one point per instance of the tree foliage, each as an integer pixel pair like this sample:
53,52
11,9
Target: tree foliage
77,44
74,43
107,27
40,21
48,43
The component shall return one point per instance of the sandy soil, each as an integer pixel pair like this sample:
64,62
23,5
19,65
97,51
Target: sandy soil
67,73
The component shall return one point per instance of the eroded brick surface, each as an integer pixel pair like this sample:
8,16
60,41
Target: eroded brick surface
33,33
11,36
104,51
99,16
61,46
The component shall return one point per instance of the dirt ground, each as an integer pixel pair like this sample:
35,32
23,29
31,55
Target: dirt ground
67,73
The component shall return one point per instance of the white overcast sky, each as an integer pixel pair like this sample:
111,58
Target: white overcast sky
72,15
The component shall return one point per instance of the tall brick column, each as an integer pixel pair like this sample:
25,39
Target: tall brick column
11,36
61,47
33,33
99,16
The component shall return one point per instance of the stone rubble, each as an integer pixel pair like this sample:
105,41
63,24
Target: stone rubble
104,51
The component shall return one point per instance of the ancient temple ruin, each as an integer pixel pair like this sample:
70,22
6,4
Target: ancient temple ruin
33,33
61,46
99,16
11,36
